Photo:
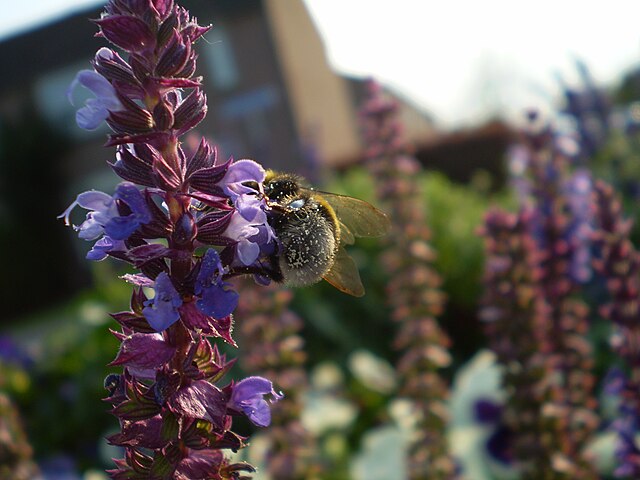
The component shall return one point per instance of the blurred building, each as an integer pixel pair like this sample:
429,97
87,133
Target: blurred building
271,94
270,89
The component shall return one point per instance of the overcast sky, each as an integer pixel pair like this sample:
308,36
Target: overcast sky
460,60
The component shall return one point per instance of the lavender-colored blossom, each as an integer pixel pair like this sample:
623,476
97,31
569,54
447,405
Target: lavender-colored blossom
249,228
237,180
162,310
535,320
97,109
251,208
590,111
248,397
102,247
104,216
216,299
103,208
249,225
619,263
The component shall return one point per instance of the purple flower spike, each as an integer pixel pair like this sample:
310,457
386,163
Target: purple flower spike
215,300
96,110
162,311
248,397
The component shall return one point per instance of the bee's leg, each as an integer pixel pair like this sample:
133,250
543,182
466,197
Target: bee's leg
275,271
270,270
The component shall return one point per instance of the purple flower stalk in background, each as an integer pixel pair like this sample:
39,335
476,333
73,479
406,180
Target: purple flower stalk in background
619,263
509,309
188,223
412,292
536,261
276,350
591,112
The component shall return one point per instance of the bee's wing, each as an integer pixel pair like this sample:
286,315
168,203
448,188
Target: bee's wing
346,237
361,218
344,274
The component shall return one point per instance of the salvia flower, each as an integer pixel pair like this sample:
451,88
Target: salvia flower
619,263
536,262
239,175
412,293
578,190
187,222
248,397
272,333
96,110
250,234
162,311
113,217
216,298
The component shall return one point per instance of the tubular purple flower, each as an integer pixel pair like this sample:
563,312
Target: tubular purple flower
97,109
240,173
103,208
251,208
121,227
249,228
162,310
215,299
243,231
104,216
102,247
248,397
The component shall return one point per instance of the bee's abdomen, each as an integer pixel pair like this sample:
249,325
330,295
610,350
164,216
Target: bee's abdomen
308,246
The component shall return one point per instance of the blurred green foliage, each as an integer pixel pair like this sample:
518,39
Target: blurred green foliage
59,393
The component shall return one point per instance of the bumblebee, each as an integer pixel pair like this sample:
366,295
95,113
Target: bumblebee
313,227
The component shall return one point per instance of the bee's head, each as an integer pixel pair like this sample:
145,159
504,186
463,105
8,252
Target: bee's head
278,186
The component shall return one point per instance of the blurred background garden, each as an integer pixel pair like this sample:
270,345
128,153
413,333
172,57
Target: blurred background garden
456,181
